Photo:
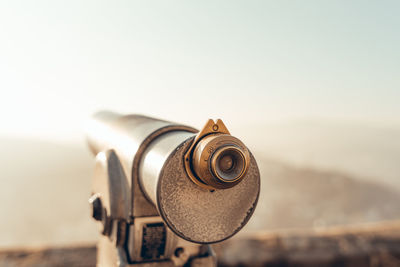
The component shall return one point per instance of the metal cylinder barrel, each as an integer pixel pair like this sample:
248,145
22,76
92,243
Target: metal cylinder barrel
127,134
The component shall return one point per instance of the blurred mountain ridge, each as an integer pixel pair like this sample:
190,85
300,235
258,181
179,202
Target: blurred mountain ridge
294,197
44,191
370,151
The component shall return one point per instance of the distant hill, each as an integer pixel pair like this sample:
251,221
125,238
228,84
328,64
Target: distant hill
370,152
296,197
44,189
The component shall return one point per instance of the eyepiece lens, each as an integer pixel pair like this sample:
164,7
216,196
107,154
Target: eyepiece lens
220,161
226,163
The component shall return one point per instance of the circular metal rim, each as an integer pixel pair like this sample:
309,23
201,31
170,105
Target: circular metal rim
216,155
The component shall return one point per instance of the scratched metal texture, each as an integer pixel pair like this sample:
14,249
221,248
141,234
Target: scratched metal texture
200,215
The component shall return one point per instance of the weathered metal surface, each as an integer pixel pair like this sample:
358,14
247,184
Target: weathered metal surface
157,242
201,215
154,158
110,196
111,185
139,160
192,212
129,135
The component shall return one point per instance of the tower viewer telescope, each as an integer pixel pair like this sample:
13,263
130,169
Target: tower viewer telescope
162,192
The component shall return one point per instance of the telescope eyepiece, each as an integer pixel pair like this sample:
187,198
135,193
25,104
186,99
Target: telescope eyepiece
220,161
228,164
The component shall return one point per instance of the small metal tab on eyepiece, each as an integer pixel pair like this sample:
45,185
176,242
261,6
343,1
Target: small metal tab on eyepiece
216,160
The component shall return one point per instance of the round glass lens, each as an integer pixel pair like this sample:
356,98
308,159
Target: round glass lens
226,163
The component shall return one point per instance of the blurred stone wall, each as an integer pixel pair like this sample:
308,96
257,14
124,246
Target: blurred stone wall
352,246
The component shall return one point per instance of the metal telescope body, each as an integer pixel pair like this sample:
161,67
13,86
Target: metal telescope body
162,192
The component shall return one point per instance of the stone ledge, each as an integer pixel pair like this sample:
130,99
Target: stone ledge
362,245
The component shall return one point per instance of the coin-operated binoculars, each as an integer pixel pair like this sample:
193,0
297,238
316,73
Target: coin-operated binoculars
162,192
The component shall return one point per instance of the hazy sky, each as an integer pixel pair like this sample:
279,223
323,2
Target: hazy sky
190,60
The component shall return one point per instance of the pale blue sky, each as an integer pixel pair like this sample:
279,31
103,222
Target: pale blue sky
189,60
